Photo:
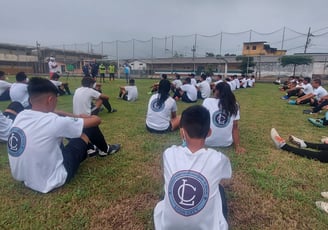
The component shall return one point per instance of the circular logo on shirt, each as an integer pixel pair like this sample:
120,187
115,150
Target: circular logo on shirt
16,142
188,192
220,119
155,106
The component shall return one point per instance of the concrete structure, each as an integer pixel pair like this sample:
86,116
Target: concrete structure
260,48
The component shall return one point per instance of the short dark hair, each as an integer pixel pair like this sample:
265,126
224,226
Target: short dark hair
203,76
188,80
164,76
307,79
131,81
55,76
196,121
318,81
38,85
21,76
2,73
87,81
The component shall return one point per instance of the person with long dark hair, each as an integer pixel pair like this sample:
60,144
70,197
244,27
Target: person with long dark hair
161,114
224,111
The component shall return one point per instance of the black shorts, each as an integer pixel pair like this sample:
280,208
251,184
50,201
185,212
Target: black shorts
169,129
73,153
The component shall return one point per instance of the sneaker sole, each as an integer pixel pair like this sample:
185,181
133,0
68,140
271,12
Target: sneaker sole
291,139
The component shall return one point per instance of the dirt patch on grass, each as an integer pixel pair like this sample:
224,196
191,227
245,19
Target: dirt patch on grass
128,213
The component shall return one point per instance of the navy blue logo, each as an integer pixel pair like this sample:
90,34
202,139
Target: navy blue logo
155,106
16,142
220,119
188,192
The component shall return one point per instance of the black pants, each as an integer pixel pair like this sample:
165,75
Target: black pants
319,106
321,155
96,137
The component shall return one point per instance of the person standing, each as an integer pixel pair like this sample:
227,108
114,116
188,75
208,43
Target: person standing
127,72
102,71
53,67
111,70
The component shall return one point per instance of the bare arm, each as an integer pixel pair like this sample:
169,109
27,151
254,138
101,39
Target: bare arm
236,140
90,121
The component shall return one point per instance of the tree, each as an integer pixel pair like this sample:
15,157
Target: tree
209,54
246,64
295,61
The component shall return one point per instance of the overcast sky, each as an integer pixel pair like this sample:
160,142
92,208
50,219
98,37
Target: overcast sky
79,21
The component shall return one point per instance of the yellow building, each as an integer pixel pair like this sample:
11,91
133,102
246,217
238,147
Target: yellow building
261,48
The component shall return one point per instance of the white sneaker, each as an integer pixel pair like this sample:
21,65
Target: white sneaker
324,195
297,141
277,140
322,206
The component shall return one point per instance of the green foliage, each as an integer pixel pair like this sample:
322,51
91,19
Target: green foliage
246,65
295,60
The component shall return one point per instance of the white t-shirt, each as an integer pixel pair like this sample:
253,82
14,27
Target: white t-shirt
82,99
209,79
5,125
193,81
244,83
18,92
34,150
4,86
192,198
221,124
232,85
53,67
159,118
250,82
204,88
217,82
132,92
237,83
307,88
190,90
177,83
56,83
319,92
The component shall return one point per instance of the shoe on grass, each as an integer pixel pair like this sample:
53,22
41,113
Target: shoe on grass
93,151
297,141
323,206
110,150
113,111
277,140
316,122
292,102
285,97
324,195
307,111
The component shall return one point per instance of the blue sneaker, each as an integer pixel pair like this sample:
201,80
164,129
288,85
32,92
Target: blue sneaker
285,97
292,102
316,122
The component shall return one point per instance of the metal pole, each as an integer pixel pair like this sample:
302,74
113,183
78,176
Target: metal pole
307,40
250,38
133,49
283,38
152,55
172,54
221,43
118,61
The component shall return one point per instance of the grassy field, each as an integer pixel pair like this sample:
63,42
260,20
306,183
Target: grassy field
270,188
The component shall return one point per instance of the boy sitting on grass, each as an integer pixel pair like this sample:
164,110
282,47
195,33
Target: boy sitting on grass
194,199
36,152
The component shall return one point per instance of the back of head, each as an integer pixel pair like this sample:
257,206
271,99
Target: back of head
307,79
164,76
55,76
227,100
188,80
177,76
38,86
164,86
21,76
131,81
203,76
2,74
87,81
195,120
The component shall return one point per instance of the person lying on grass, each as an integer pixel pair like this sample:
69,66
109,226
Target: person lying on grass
37,155
321,153
193,199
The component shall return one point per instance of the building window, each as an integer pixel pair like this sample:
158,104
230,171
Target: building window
247,47
253,47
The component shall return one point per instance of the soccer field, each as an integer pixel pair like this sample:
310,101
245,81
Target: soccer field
270,188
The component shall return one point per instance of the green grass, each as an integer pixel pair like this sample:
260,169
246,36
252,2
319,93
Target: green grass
270,189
